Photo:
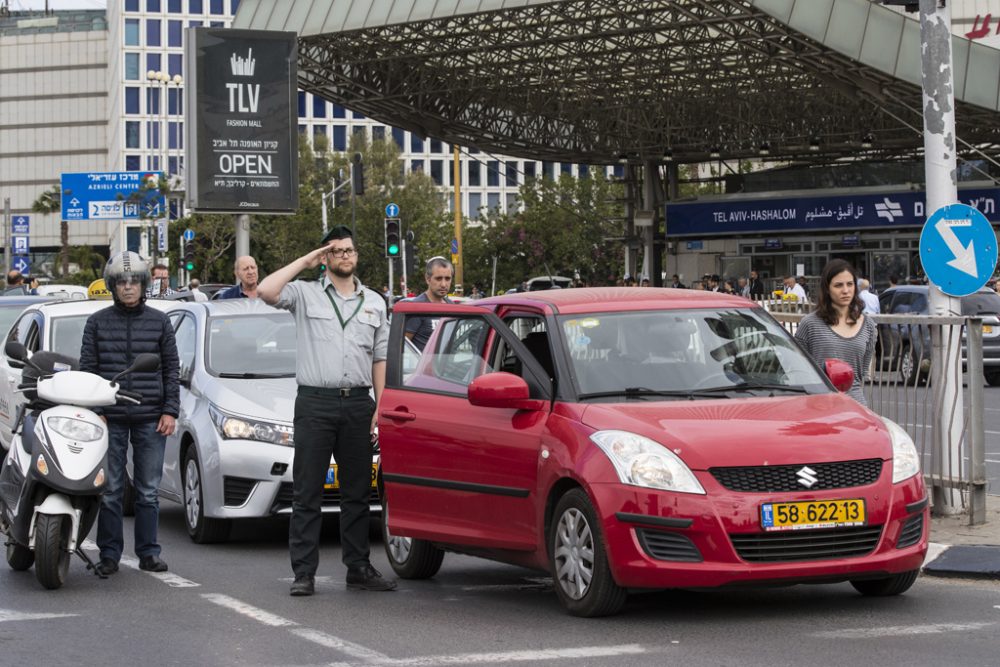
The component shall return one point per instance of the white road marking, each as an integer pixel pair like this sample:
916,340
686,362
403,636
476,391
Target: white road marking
901,630
350,648
934,550
11,615
169,578
542,655
249,611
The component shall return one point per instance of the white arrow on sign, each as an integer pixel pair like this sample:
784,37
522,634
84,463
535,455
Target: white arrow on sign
965,256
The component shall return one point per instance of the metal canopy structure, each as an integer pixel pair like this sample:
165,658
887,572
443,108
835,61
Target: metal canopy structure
591,81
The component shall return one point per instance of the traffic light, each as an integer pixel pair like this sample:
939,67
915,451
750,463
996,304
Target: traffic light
189,256
358,175
392,237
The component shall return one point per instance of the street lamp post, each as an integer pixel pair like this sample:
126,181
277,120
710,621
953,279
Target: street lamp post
163,80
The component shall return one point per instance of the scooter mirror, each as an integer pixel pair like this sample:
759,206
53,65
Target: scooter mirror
16,350
146,363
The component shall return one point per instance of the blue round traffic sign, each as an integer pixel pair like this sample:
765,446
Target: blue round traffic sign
391,211
189,235
958,249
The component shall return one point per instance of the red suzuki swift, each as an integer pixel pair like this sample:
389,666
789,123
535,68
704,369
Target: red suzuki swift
639,439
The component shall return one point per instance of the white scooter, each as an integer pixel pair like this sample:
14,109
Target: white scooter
55,472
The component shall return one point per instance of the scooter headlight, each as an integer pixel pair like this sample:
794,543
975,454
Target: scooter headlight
75,429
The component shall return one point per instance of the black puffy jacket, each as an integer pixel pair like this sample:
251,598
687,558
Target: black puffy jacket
112,339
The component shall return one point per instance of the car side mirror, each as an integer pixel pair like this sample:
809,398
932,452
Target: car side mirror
840,373
15,350
502,390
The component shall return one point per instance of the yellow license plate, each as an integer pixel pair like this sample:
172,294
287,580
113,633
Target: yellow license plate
333,481
987,329
812,514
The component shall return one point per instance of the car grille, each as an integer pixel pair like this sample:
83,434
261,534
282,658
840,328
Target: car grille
236,490
806,544
911,532
331,497
668,546
785,478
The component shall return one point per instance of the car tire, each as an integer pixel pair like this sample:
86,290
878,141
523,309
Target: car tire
409,558
201,529
894,585
992,377
128,497
579,560
19,557
910,371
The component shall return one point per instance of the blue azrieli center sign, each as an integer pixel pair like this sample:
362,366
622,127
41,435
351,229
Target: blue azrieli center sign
838,213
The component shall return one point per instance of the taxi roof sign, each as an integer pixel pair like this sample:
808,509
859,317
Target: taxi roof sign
98,290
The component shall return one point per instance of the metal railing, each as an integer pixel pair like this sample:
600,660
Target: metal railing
899,386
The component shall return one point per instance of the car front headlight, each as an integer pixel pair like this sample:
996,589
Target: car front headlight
75,429
241,428
905,458
643,462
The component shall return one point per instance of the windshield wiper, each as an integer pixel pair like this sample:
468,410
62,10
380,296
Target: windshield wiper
758,386
643,392
253,376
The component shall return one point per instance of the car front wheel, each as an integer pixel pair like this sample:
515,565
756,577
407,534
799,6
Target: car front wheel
894,585
992,378
409,558
202,529
579,560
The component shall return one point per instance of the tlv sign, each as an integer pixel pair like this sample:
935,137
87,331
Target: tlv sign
118,195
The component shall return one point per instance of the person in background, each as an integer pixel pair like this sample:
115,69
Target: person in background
112,339
804,284
675,282
342,339
869,299
743,287
196,293
727,287
792,287
698,285
439,273
15,283
894,280
644,283
714,283
245,270
756,286
838,327
160,287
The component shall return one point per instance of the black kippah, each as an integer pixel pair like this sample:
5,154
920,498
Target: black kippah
338,232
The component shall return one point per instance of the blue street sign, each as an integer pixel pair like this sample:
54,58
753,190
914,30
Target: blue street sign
958,249
392,211
161,235
695,245
21,265
454,246
20,245
117,195
20,224
189,235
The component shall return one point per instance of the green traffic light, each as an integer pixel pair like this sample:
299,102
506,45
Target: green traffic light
189,266
393,249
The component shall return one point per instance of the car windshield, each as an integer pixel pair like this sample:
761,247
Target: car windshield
8,314
261,345
685,351
67,334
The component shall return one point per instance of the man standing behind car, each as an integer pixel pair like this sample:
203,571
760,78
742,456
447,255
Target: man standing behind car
439,273
112,338
342,331
245,270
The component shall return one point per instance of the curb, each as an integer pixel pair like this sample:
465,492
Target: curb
981,561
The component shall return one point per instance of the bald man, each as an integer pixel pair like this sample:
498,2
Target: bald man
245,270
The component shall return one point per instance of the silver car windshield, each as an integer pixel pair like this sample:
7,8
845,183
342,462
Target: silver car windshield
681,351
67,334
252,346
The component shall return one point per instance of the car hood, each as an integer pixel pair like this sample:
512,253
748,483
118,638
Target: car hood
266,399
752,432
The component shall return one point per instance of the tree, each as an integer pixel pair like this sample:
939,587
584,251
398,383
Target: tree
50,201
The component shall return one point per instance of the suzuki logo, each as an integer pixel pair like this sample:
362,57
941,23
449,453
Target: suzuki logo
888,209
807,477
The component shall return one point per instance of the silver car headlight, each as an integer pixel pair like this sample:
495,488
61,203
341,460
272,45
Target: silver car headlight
905,458
75,429
241,428
643,462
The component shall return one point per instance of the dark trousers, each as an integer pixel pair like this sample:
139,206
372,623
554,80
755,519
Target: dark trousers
325,424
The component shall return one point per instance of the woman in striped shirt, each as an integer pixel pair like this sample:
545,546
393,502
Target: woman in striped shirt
838,329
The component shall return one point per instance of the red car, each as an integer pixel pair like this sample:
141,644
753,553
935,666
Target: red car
640,439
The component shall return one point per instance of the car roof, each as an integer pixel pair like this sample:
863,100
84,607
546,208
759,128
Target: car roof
923,289
609,299
22,301
229,307
63,307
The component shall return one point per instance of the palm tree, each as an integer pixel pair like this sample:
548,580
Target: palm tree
50,201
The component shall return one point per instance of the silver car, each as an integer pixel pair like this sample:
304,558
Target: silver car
231,455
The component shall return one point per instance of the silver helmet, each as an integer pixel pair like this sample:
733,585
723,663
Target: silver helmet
127,266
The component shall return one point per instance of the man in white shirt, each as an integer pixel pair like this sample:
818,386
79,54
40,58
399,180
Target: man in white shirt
793,287
870,300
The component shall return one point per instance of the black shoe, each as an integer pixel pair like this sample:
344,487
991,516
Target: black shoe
304,584
152,564
367,578
106,567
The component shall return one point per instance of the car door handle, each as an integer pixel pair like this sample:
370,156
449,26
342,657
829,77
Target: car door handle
398,415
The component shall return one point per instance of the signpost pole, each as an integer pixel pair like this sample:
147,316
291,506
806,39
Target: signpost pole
7,222
942,189
242,235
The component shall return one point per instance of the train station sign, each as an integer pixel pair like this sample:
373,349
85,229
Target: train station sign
241,121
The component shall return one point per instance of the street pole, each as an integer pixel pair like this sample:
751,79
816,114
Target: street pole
6,236
242,235
457,178
942,189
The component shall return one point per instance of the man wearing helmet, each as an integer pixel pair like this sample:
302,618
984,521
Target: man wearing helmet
112,338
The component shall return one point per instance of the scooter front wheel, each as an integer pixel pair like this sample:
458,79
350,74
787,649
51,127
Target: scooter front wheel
19,557
51,549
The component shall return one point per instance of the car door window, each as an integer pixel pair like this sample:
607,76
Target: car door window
185,335
26,331
457,358
67,334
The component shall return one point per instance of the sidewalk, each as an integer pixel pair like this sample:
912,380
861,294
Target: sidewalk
960,550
